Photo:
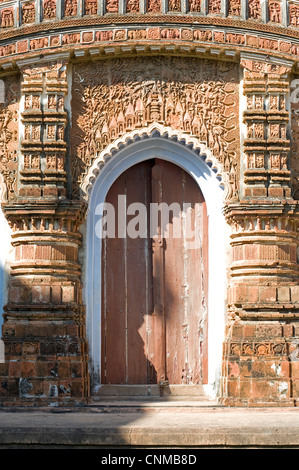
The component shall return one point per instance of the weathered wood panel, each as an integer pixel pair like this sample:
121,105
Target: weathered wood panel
154,289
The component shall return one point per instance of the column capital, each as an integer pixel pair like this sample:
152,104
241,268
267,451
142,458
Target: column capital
265,64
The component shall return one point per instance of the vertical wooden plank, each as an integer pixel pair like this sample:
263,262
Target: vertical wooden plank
138,189
196,296
174,278
205,258
113,310
185,296
157,345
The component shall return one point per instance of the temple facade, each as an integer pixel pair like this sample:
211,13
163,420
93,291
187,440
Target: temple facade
159,101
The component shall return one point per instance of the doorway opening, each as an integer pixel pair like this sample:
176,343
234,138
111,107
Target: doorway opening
155,282
155,143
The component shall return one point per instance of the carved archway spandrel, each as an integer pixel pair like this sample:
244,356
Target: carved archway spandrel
115,98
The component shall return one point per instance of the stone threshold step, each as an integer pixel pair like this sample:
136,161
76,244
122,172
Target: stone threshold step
151,404
196,391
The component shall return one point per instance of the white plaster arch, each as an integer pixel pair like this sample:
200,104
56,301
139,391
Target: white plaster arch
96,186
5,247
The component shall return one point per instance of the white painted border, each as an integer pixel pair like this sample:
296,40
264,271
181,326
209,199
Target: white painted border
192,163
5,253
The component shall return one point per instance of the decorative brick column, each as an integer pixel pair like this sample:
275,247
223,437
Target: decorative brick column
261,350
44,320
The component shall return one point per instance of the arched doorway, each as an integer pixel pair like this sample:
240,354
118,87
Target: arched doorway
150,144
154,278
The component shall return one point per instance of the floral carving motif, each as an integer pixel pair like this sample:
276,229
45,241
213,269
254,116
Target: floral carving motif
258,349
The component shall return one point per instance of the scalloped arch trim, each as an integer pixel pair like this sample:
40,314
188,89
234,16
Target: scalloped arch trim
155,130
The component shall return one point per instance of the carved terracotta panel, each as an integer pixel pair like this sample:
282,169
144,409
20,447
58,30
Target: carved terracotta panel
28,13
153,6
174,5
254,9
132,6
189,95
195,5
294,15
7,18
9,135
214,6
112,6
49,9
70,7
274,11
234,7
91,7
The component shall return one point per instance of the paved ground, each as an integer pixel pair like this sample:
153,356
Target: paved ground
168,425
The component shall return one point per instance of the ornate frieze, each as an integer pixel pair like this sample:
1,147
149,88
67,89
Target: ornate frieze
27,12
224,42
172,91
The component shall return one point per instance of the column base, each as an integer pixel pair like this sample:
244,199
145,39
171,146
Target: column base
261,364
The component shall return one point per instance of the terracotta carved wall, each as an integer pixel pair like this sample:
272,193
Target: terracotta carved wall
196,97
44,284
76,78
261,349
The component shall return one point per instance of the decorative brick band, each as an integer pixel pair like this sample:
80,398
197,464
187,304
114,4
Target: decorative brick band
197,41
273,12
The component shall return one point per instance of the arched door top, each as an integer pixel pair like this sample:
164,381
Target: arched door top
103,176
146,138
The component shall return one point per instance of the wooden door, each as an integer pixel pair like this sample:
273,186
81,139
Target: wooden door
154,302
